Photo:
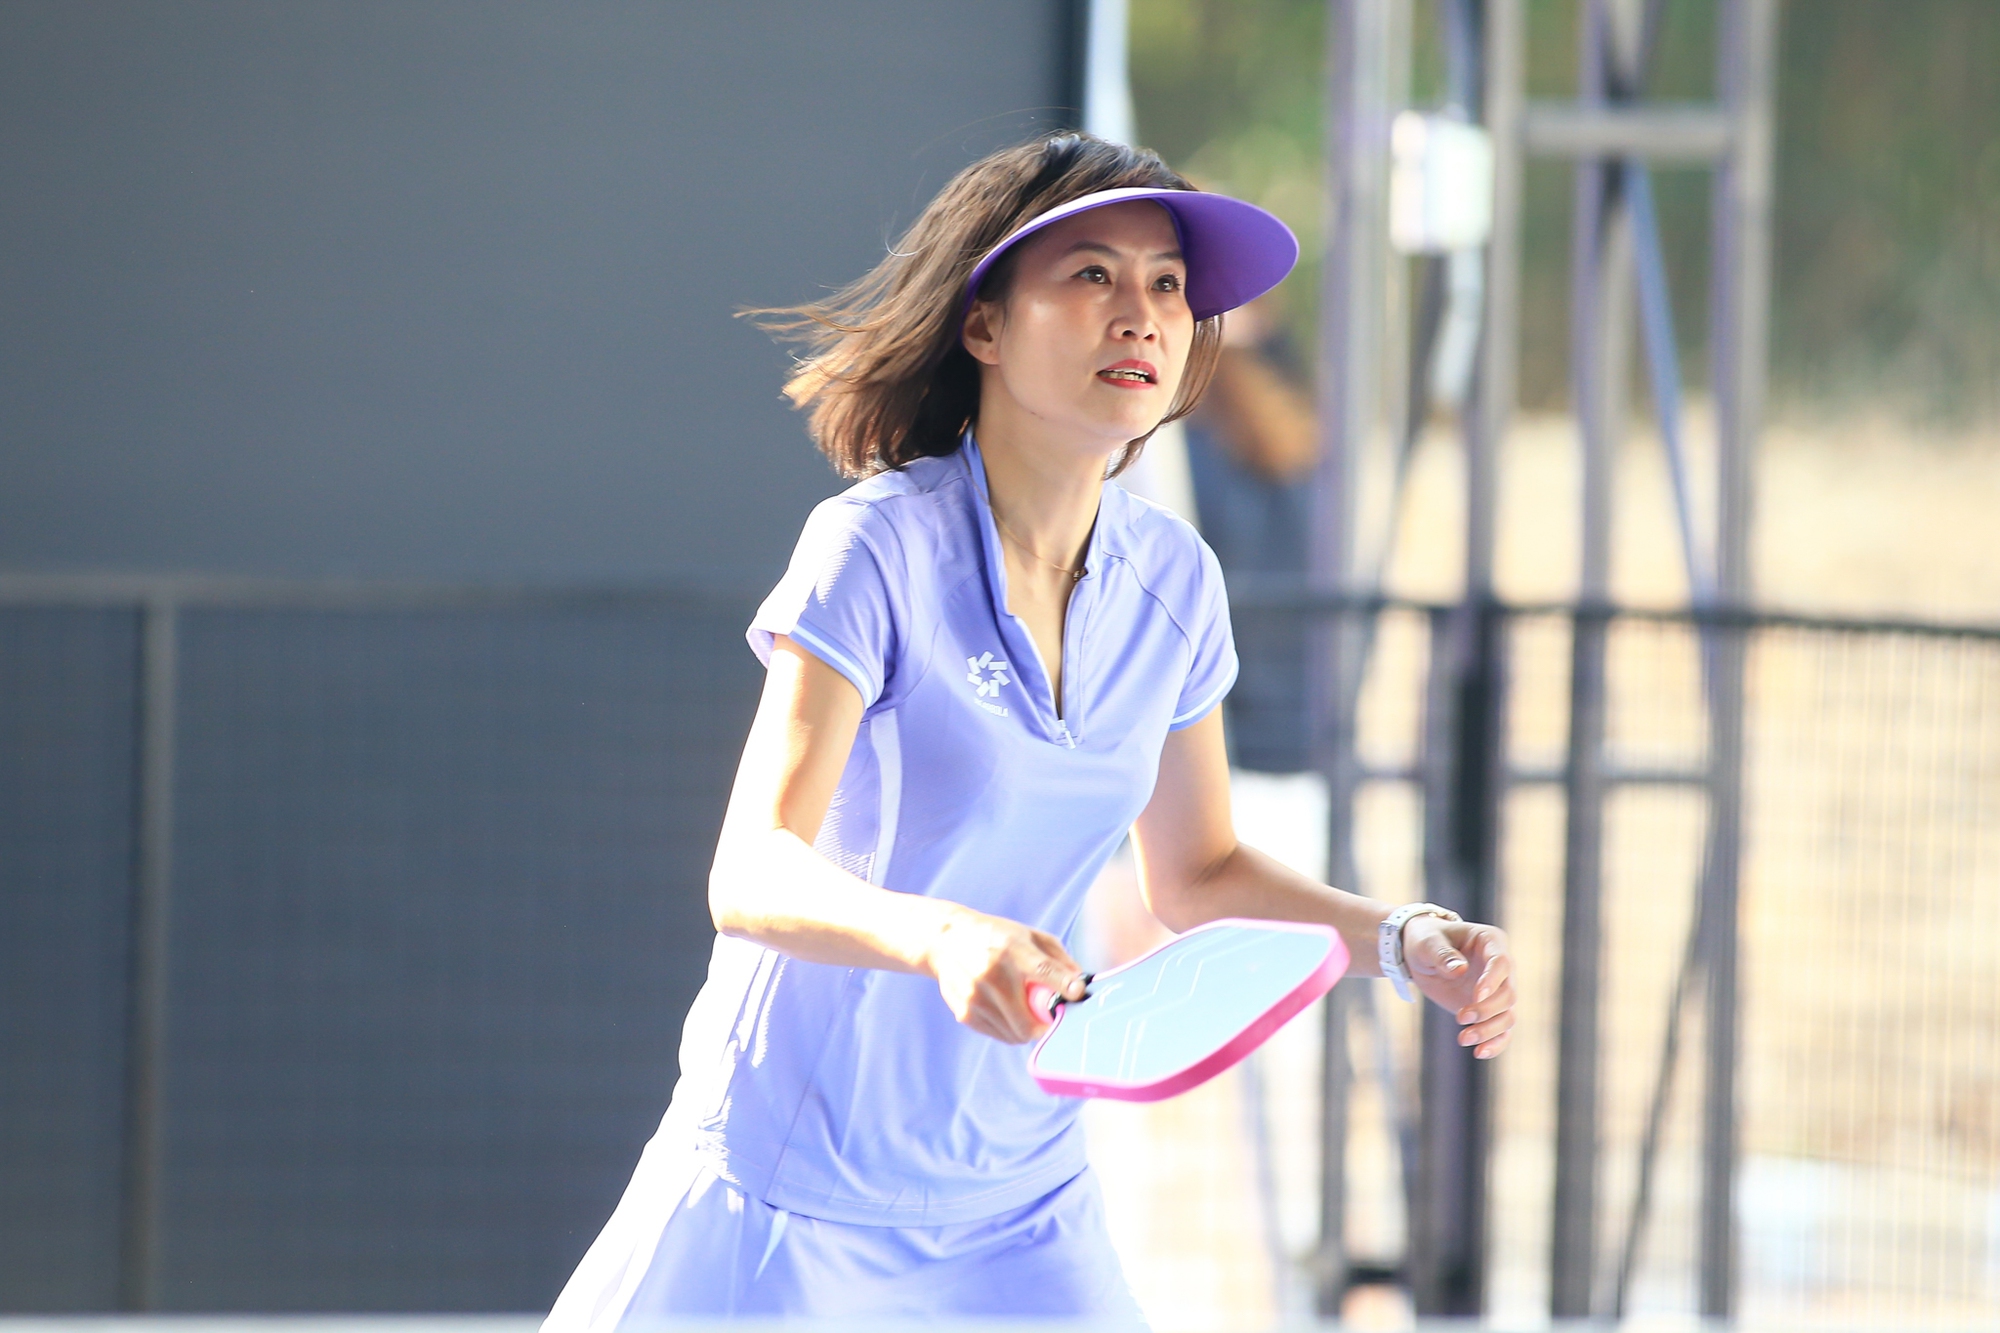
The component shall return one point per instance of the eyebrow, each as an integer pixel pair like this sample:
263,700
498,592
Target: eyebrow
1101,248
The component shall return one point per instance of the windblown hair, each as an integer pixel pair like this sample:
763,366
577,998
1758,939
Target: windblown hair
884,378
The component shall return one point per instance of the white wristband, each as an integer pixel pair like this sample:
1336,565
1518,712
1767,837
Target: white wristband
1389,942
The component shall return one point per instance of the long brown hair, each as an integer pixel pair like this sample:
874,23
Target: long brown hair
884,379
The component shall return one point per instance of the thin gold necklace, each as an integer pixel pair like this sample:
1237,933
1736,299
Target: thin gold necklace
1074,574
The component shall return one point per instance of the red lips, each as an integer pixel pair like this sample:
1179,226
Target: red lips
1130,373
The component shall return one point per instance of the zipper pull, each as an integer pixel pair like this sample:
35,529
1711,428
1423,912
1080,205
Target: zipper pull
1067,739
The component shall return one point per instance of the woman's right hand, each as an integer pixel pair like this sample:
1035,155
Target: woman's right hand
985,967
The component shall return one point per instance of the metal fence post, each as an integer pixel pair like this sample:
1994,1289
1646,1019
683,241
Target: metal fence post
145,1068
1745,74
1351,315
1601,290
1333,1263
1462,775
1573,1243
1503,76
1463,764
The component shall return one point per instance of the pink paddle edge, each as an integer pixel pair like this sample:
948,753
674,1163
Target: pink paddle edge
1317,983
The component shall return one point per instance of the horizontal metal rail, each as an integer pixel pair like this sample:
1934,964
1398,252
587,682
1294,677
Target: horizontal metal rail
225,592
1631,775
1267,596
1617,775
1661,131
1254,595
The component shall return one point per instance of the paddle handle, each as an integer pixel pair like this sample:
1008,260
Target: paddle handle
1046,1002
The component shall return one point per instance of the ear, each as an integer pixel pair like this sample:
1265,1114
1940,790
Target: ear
981,331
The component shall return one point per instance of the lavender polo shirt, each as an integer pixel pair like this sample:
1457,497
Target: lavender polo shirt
852,1094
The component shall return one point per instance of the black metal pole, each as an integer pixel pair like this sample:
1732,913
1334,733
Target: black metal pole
1462,775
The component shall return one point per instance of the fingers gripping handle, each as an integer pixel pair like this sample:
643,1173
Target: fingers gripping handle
1043,1000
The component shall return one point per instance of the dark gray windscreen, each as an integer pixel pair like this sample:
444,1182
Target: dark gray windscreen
68,755
440,906
444,288
418,289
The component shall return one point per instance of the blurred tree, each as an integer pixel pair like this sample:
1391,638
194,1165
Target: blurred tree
1888,229
1230,93
1888,263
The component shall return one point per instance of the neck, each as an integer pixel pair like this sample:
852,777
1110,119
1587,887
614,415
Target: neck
1043,492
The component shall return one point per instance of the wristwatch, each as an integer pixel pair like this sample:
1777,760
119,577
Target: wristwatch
1389,942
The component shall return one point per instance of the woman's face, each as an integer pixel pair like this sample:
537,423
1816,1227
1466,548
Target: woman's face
1093,335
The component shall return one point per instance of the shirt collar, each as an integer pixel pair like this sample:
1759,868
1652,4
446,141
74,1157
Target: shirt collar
1113,513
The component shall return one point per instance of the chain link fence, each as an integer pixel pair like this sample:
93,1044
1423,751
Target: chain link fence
383,813
1868,1091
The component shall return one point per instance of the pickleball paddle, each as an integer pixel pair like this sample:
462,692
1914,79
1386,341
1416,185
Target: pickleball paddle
1178,1016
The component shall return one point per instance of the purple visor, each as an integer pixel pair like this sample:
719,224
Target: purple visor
1235,251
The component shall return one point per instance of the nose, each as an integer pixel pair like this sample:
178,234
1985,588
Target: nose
1137,320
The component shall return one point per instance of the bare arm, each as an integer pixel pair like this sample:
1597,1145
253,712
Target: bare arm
1192,869
769,885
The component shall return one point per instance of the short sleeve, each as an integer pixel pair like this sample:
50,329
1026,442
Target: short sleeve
834,600
1212,669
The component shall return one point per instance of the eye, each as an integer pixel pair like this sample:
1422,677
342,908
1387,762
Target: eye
1168,282
1094,273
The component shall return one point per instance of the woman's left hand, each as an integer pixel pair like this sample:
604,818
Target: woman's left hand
1465,969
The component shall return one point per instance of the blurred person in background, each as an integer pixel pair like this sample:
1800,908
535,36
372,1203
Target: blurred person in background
1239,467
1252,445
984,667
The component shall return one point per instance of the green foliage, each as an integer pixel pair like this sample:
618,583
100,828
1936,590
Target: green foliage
1230,93
1888,253
1887,246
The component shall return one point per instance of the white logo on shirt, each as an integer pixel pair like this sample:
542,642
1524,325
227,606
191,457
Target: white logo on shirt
986,675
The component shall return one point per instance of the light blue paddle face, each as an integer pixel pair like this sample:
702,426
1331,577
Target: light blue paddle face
1151,1020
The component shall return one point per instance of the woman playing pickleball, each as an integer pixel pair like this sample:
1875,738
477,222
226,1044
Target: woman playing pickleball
985,666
